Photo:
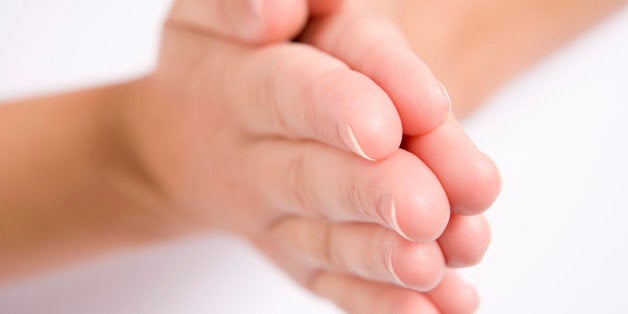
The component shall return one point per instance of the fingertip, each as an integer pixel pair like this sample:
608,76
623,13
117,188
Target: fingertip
442,105
435,107
379,132
347,135
465,240
422,219
406,301
469,177
467,301
421,100
484,183
470,300
374,129
421,211
454,296
419,266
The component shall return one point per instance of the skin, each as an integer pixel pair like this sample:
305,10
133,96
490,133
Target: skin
475,47
206,142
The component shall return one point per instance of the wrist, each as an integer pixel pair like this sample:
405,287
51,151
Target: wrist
128,167
70,187
153,157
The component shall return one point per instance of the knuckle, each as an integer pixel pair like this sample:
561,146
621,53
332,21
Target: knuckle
314,93
360,194
298,187
382,246
355,198
310,114
270,93
327,252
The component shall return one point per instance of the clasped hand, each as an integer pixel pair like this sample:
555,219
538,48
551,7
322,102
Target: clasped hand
335,154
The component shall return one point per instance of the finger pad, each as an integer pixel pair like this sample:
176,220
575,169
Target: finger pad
465,240
470,178
419,265
421,206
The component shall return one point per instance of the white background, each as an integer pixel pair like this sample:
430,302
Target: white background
558,132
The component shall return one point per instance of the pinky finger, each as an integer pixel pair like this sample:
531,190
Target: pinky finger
355,295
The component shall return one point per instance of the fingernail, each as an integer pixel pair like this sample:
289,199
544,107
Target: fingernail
395,222
444,92
348,137
388,213
391,269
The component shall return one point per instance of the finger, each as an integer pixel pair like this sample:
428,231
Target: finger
365,250
465,240
470,178
252,21
314,180
454,296
375,47
290,90
356,295
303,93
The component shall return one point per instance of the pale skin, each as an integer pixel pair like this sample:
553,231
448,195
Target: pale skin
240,137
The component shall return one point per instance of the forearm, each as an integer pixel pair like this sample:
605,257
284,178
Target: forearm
500,39
474,47
68,183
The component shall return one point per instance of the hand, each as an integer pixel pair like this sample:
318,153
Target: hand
371,45
475,47
230,159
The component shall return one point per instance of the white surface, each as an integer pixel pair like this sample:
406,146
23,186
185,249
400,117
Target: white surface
559,133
